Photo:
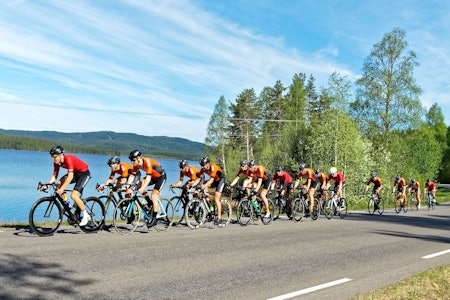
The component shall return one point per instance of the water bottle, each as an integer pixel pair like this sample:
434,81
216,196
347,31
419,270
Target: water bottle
69,204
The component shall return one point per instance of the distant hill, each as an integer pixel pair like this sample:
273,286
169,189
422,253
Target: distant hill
102,142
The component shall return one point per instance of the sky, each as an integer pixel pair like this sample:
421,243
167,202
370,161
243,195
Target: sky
158,68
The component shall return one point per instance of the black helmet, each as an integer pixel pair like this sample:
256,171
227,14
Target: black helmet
279,168
113,160
397,177
55,150
413,180
301,166
428,180
183,163
243,162
317,170
204,160
134,154
251,163
374,174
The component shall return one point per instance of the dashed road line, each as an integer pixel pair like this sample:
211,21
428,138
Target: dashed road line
436,254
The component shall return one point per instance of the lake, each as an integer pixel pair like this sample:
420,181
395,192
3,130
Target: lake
21,171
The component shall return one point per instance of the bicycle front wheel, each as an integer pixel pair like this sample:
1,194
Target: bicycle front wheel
96,210
178,209
381,206
298,210
316,210
195,213
329,209
166,220
371,206
342,208
110,205
277,209
244,212
398,205
45,216
127,216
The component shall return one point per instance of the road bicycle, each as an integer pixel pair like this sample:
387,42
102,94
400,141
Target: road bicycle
280,205
401,204
46,214
413,202
179,203
133,212
301,208
374,204
199,211
236,194
252,208
431,203
334,207
110,202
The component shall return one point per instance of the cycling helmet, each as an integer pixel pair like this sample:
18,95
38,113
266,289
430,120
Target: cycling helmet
428,180
251,163
55,150
113,160
397,177
279,168
243,162
317,170
183,163
413,180
333,170
373,174
134,154
204,160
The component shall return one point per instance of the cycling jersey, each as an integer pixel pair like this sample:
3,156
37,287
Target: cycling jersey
376,181
307,173
151,167
72,164
123,171
400,184
414,185
322,177
430,186
337,179
191,172
284,177
260,172
214,172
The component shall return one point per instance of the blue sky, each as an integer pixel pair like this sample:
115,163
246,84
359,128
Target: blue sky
159,67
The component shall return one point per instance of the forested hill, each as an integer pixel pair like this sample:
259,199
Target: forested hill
102,142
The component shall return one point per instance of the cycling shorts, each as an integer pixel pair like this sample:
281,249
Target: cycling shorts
80,180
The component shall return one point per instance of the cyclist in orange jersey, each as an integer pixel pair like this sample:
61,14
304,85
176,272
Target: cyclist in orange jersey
414,185
117,168
310,184
154,175
377,185
191,172
261,178
243,170
400,185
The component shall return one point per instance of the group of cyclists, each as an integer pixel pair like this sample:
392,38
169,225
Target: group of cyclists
127,178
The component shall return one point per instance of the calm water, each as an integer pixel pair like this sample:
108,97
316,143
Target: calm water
20,172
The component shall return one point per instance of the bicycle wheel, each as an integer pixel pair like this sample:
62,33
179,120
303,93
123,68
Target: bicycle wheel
342,208
316,210
277,208
268,220
45,216
127,216
371,206
381,206
244,212
398,205
178,209
165,222
110,205
226,211
195,213
96,210
298,209
329,209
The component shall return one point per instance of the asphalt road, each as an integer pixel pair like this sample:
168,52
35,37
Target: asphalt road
325,259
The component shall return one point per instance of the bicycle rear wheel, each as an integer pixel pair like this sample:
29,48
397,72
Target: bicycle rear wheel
165,222
45,216
195,214
226,211
96,210
244,212
178,209
278,207
298,209
316,210
127,216
371,206
329,209
267,220
342,208
381,206
110,205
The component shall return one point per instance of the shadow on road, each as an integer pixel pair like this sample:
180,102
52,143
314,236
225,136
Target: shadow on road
26,278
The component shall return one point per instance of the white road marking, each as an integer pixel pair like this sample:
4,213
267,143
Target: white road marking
436,254
311,289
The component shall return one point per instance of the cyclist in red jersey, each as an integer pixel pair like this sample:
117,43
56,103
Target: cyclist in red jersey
216,181
339,182
414,185
117,168
191,172
154,175
431,187
77,172
377,185
310,184
400,185
261,178
284,180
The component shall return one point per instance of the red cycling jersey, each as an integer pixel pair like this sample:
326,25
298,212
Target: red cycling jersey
72,164
123,170
284,177
151,167
430,186
338,178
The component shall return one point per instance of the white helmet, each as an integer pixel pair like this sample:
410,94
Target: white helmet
333,170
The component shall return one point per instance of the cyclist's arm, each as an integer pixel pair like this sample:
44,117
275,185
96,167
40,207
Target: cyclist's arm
66,183
176,184
258,185
235,180
297,181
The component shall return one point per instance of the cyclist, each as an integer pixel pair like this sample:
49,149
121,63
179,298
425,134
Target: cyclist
118,168
217,181
400,184
414,186
190,172
154,175
430,186
311,182
377,186
285,184
243,170
339,182
322,187
77,172
261,179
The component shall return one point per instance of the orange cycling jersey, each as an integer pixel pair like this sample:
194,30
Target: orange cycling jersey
214,172
414,185
376,181
322,177
401,182
260,172
151,167
307,173
191,172
123,170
